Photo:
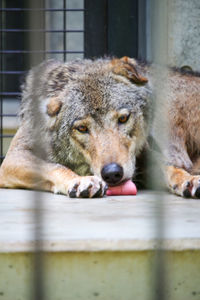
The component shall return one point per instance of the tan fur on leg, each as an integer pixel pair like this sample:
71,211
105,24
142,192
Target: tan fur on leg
182,183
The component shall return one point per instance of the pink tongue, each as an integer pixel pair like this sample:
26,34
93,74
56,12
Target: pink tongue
126,188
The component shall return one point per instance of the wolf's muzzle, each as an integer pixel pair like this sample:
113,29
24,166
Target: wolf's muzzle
112,173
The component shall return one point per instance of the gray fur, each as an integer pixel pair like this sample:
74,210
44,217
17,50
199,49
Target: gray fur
85,88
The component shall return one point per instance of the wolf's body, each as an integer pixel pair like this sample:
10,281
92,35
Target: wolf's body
84,123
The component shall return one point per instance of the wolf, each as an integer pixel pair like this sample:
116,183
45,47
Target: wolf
84,123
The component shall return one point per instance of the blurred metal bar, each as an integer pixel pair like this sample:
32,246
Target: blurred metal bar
1,84
43,27
36,39
37,51
64,31
159,48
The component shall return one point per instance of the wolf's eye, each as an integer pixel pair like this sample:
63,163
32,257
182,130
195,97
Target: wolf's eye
123,119
82,128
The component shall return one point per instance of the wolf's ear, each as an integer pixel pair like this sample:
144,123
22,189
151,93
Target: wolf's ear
54,106
127,67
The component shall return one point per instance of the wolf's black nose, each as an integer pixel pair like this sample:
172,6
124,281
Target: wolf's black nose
112,173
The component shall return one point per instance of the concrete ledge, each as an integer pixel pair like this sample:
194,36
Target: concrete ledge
99,248
106,224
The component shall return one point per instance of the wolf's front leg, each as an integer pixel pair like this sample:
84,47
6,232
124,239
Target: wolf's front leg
22,169
183,183
30,172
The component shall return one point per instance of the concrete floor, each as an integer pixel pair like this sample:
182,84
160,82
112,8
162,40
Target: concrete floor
102,248
109,223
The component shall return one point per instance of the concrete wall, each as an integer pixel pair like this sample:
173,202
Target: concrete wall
173,27
100,276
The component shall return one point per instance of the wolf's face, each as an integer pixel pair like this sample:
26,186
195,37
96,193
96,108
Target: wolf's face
102,124
108,145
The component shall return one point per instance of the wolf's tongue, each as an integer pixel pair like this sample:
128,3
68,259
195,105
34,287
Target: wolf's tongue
126,188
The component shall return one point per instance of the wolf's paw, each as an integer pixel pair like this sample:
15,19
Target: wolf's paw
86,187
183,183
191,188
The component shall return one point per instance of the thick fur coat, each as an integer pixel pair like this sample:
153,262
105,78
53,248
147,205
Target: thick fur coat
81,118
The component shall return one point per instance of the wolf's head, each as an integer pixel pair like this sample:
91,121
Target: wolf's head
97,116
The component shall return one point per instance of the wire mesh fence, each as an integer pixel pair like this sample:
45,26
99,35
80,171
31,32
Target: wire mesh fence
32,31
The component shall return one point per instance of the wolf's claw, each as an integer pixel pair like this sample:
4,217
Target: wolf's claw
86,187
191,188
183,183
72,192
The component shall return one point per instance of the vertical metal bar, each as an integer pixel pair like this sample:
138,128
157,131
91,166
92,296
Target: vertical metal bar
36,39
36,55
64,28
1,88
43,28
159,46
